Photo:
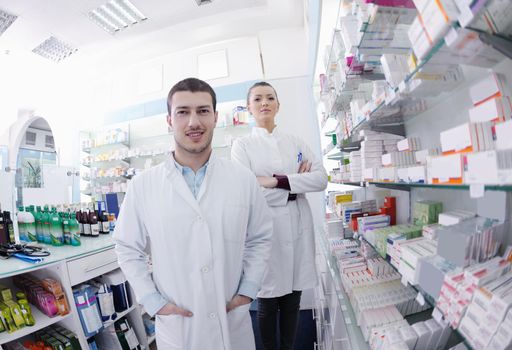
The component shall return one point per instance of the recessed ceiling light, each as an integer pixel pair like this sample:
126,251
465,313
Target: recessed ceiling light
54,49
6,19
116,15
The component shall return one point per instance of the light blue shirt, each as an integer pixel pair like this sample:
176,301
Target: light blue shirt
193,180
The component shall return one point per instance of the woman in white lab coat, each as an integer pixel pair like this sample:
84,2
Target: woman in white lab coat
286,170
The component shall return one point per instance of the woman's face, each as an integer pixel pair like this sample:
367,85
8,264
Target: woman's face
263,104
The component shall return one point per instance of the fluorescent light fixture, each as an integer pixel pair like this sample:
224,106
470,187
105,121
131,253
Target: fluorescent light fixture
203,2
54,49
116,15
6,19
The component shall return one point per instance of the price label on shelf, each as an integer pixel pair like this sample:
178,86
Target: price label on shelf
476,190
420,299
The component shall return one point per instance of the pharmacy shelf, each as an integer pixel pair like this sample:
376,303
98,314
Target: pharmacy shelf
406,186
112,145
42,321
120,315
353,330
392,108
110,162
430,300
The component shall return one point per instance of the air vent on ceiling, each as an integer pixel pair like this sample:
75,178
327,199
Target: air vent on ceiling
6,19
203,2
54,49
116,15
30,138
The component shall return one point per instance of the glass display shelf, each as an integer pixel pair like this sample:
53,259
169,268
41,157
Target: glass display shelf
13,266
406,186
429,300
398,103
355,335
105,146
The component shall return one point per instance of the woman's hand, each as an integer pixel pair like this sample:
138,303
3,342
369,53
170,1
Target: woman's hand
267,181
172,309
305,167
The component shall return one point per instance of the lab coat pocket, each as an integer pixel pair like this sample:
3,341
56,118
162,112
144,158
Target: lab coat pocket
240,328
235,219
169,331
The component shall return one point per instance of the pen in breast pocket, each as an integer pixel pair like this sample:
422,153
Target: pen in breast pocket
299,157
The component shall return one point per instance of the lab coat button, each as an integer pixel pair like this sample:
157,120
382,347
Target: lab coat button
199,219
212,315
205,269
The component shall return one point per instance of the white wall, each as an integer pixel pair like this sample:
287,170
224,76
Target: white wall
284,52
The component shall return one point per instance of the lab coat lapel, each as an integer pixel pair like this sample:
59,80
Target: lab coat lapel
207,178
180,186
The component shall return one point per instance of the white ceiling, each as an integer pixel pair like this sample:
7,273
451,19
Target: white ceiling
171,25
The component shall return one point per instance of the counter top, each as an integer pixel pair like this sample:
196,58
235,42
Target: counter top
90,245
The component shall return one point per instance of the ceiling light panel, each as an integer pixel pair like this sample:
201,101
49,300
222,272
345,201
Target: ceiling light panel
6,19
54,49
116,15
203,2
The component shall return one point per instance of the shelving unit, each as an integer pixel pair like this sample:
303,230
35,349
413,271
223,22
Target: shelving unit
42,321
71,266
402,108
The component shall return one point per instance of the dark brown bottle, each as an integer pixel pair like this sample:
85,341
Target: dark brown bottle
78,216
4,231
105,229
93,221
86,223
10,226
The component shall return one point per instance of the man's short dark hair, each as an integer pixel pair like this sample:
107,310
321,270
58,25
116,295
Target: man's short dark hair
192,85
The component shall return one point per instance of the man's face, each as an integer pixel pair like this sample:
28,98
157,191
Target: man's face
193,120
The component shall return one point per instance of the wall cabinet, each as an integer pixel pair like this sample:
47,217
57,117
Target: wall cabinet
72,266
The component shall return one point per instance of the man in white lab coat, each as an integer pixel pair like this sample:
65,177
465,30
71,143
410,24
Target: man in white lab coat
207,227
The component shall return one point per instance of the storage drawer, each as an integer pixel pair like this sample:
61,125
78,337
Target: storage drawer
91,266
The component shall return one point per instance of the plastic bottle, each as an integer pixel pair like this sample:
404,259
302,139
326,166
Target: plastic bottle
74,230
30,224
22,231
45,222
57,234
65,228
39,225
112,222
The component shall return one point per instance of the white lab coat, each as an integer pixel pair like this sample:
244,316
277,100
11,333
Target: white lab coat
292,262
202,249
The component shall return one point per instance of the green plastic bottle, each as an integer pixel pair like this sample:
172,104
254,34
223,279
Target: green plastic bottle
74,229
45,220
30,224
39,224
22,231
57,235
65,228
